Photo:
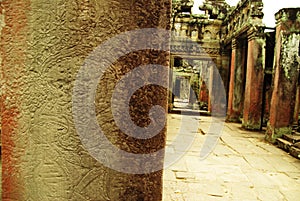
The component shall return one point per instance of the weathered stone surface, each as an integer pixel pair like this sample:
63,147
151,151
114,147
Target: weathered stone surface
252,170
294,151
297,145
290,143
284,144
230,112
286,74
252,112
43,45
237,79
292,138
243,31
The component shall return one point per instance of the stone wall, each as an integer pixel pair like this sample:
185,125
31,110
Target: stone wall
43,45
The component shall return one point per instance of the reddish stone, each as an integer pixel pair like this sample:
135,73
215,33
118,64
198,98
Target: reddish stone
230,112
296,111
203,96
12,48
237,82
286,74
254,84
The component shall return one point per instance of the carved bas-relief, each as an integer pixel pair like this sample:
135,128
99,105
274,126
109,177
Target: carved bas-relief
43,46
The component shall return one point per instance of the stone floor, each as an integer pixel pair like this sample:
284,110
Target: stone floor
241,167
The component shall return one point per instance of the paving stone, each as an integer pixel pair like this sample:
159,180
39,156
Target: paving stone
180,166
169,175
292,195
195,197
233,177
176,197
194,164
184,175
236,161
182,187
259,163
280,164
170,186
240,191
269,194
260,179
272,149
294,175
214,189
220,149
207,176
283,181
240,169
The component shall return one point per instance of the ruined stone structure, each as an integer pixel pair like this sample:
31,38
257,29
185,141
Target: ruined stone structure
43,45
192,62
242,48
285,101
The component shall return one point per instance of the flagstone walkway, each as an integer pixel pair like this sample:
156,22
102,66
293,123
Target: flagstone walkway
241,167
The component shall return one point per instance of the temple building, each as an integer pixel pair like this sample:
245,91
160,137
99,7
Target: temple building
258,65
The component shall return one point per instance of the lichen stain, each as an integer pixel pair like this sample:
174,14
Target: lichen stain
290,48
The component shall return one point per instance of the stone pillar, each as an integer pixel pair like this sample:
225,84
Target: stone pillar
210,88
171,85
217,94
254,81
236,87
230,112
225,59
286,73
297,102
43,45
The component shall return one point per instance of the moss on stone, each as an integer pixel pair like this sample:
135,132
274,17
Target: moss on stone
251,126
273,133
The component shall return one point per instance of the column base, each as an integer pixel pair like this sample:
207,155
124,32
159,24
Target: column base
234,117
251,126
273,133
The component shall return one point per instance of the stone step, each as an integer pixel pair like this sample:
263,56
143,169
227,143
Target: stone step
284,144
292,148
297,145
292,138
294,151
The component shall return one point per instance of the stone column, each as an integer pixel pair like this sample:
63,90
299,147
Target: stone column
286,73
297,102
217,94
230,111
254,81
225,59
171,85
236,87
43,45
210,87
